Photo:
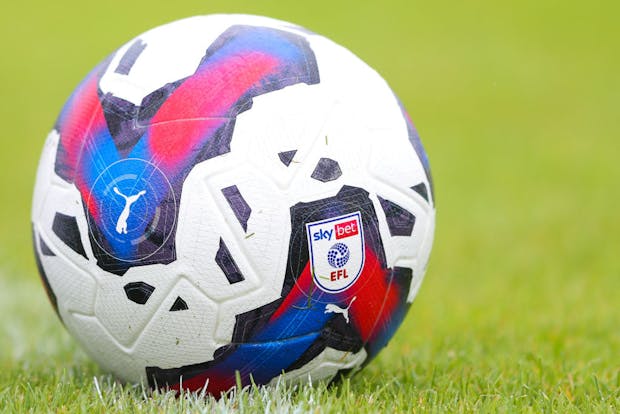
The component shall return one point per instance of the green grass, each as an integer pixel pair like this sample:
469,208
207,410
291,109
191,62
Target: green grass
517,105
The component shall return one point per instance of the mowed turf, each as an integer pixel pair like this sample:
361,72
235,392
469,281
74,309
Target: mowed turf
517,104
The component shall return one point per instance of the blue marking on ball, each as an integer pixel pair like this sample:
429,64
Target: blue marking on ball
338,255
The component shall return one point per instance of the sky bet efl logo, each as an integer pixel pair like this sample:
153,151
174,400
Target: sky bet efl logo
336,251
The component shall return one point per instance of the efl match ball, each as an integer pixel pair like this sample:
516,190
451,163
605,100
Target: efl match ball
232,196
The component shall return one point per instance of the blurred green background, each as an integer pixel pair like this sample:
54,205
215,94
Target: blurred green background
518,106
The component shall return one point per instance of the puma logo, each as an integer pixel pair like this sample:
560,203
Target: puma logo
121,223
333,308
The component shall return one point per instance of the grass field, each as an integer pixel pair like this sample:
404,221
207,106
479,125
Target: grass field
517,105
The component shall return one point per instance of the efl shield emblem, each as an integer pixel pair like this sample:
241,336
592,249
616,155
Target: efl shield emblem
336,251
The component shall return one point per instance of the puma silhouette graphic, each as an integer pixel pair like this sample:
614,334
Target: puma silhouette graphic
121,223
333,308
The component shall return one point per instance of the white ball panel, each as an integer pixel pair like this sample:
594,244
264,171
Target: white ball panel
104,348
175,338
125,320
75,288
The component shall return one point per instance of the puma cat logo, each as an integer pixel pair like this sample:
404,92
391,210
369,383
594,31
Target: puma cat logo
333,308
121,223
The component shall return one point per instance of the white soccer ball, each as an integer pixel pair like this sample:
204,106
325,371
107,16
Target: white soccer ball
232,193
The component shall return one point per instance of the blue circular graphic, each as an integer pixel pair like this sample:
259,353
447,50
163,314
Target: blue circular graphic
130,197
338,255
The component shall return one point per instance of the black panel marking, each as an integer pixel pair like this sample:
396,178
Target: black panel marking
326,170
399,220
67,230
287,157
225,261
421,189
238,205
45,250
138,292
179,305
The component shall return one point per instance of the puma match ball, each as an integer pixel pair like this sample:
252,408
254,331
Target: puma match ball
232,195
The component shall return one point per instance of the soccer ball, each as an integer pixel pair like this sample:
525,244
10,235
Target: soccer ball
232,195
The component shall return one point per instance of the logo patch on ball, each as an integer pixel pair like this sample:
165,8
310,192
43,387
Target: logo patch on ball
336,248
127,195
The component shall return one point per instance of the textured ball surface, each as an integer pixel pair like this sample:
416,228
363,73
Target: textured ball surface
232,193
